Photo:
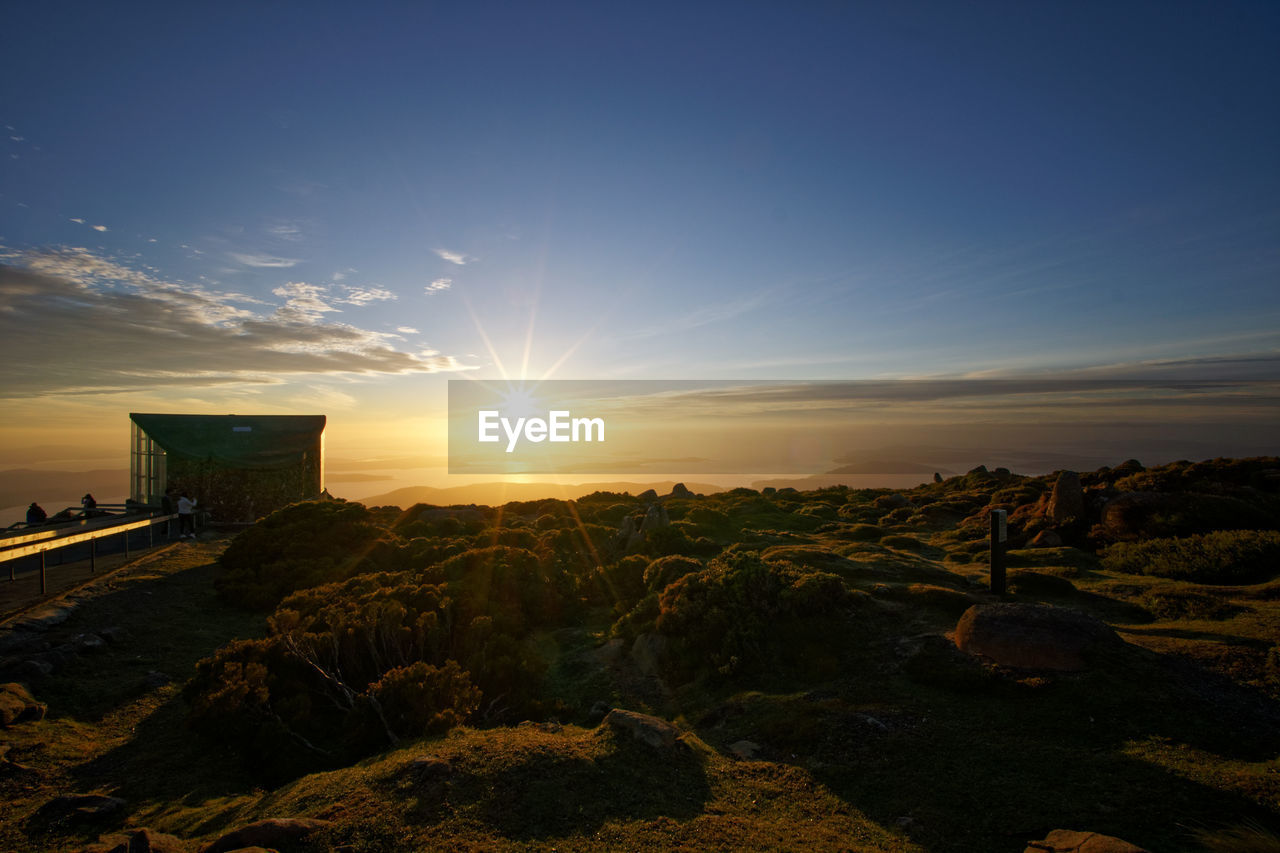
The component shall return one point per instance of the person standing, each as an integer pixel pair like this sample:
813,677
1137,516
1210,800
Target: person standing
186,517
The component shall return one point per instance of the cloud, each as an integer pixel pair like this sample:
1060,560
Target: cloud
365,295
98,227
407,330
290,231
147,333
75,219
265,261
454,257
438,285
304,303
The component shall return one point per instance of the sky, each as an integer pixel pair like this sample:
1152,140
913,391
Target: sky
330,208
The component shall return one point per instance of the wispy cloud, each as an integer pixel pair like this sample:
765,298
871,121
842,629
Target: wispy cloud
454,257
77,219
149,333
99,227
364,295
438,285
265,261
407,330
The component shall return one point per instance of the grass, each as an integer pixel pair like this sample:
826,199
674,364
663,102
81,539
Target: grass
1171,745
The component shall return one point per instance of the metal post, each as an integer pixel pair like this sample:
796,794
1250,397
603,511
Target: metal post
151,536
999,537
125,534
93,555
42,577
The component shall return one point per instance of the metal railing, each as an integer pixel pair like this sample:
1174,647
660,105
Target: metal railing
28,544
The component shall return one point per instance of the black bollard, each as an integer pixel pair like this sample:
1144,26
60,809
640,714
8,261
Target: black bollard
999,537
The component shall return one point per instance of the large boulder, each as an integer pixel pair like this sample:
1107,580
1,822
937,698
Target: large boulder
1033,636
653,731
1067,499
649,652
274,832
18,706
1070,841
680,490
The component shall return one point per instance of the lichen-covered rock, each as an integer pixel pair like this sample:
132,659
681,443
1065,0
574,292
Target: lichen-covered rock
1033,636
653,731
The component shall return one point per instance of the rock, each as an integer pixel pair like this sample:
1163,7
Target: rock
648,653
1069,841
1033,636
745,749
1067,499
18,706
937,478
598,712
1045,539
429,768
679,490
648,495
33,670
87,643
274,832
80,807
657,733
655,517
155,679
113,634
142,840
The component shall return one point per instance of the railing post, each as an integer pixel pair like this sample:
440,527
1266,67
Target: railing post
43,585
93,555
125,534
151,535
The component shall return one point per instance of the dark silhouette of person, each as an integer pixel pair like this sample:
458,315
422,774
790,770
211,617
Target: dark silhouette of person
88,502
36,514
186,517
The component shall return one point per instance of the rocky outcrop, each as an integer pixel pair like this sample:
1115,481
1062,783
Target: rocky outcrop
1033,636
653,731
274,832
1070,841
1067,499
632,534
680,490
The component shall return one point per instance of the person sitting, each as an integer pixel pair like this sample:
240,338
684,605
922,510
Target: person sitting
88,502
36,514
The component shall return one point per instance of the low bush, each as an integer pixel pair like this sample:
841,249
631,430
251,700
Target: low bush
724,618
302,545
1226,556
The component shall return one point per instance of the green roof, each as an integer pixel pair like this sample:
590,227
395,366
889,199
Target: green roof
242,441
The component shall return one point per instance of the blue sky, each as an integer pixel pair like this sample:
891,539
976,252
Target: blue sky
320,206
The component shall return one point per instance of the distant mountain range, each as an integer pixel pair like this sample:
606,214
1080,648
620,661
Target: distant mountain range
495,494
